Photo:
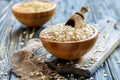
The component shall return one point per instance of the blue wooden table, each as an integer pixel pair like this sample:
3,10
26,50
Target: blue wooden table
12,32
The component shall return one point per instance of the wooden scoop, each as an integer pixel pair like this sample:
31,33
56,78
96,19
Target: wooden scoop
76,20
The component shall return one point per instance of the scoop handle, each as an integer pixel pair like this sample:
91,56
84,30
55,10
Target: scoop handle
84,9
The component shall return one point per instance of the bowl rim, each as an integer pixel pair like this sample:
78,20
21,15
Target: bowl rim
49,9
87,39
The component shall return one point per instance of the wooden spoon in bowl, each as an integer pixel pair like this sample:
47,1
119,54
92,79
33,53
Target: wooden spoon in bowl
76,20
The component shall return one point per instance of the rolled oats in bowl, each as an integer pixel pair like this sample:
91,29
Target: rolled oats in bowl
34,13
33,6
62,32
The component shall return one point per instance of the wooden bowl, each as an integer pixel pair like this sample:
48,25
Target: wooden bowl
34,19
70,50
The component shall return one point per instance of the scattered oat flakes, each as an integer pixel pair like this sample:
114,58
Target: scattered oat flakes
24,32
37,73
31,35
32,74
105,74
118,62
11,43
81,77
53,74
94,59
56,76
91,78
91,62
21,43
68,75
89,65
84,68
85,65
58,64
41,73
94,51
67,63
77,65
39,59
102,65
18,79
71,75
44,77
71,62
43,60
99,49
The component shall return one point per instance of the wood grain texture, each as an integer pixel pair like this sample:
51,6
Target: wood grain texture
12,33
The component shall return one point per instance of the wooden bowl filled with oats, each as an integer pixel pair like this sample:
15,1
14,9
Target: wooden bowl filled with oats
34,13
67,42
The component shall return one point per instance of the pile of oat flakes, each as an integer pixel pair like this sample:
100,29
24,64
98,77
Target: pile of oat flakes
62,32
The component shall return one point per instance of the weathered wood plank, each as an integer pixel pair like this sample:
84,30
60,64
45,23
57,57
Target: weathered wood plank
4,6
98,10
108,8
114,65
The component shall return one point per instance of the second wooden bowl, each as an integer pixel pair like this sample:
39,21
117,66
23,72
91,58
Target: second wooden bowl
34,19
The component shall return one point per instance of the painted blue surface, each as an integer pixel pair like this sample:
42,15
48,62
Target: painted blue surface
12,30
